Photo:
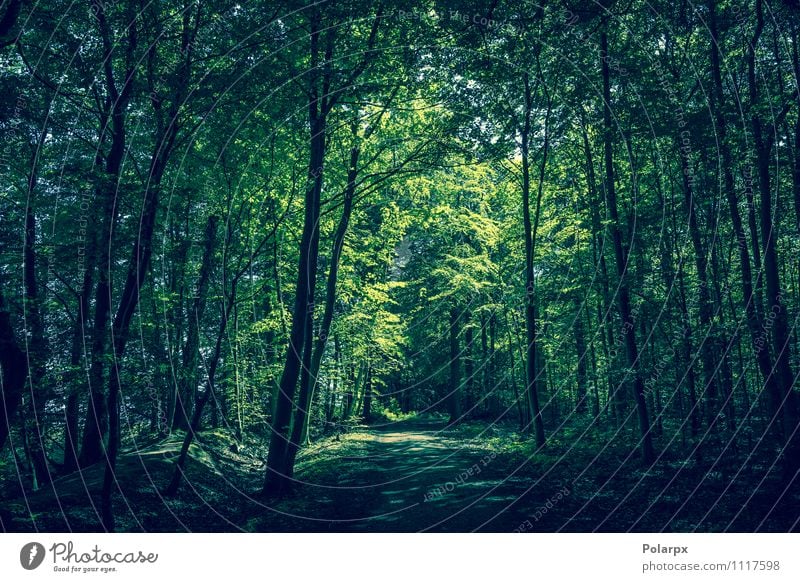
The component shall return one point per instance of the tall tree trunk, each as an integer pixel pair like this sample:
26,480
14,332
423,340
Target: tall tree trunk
491,369
469,363
522,410
322,99
484,383
705,307
277,480
139,262
623,297
185,393
77,365
14,367
688,356
784,398
604,309
580,373
38,393
138,267
367,412
595,373
311,374
796,160
210,383
96,423
532,375
454,385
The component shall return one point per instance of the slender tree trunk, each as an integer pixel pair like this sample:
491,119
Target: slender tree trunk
185,393
469,363
138,268
309,379
454,387
784,398
604,309
705,307
197,415
321,101
580,373
14,366
139,262
367,412
77,369
521,409
688,356
595,373
277,478
484,385
96,423
337,381
623,297
532,375
491,369
38,393
796,160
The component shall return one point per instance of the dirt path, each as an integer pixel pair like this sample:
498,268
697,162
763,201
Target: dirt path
417,476
404,477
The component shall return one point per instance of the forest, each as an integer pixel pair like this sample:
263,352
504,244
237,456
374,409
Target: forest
386,266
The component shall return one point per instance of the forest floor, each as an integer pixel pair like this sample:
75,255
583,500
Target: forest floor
416,475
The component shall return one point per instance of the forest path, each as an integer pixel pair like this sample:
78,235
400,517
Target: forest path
409,476
413,476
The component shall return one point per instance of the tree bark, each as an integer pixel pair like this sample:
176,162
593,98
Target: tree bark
185,393
784,402
454,385
38,394
367,412
623,297
14,366
277,480
210,383
96,423
311,373
532,375
580,374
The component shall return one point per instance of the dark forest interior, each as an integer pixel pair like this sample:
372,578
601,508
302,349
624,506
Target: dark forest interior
400,265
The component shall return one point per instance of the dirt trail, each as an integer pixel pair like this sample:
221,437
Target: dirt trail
409,476
420,476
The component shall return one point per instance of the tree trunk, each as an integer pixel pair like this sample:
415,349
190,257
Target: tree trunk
708,343
138,267
367,412
71,413
310,378
38,393
752,308
532,376
96,423
623,297
14,366
277,479
580,374
210,383
784,401
469,364
454,386
185,393
604,309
